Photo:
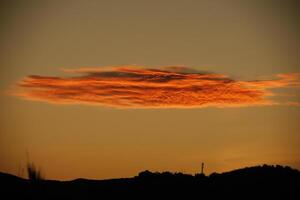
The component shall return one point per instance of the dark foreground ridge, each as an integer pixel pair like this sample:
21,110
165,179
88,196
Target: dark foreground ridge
259,182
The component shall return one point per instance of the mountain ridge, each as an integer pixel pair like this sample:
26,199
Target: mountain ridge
250,182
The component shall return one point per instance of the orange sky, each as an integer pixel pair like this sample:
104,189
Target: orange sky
231,67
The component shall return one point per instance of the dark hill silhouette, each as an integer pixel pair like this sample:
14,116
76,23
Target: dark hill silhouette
259,182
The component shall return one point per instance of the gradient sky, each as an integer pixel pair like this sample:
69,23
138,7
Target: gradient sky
244,40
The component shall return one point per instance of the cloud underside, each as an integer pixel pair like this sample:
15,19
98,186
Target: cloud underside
132,87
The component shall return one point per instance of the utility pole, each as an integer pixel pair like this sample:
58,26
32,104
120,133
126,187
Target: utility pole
202,167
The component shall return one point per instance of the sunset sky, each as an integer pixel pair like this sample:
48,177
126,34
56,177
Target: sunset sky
106,89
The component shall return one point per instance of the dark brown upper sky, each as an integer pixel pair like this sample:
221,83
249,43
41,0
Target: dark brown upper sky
244,40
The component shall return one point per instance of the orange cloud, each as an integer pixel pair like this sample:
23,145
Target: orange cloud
131,87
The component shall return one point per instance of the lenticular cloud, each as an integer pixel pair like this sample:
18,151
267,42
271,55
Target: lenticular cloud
166,87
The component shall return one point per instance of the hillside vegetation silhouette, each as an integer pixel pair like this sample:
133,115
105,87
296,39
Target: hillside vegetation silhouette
258,182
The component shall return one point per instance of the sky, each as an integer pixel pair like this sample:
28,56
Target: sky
106,89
